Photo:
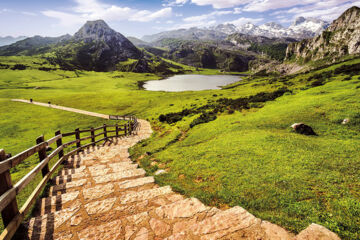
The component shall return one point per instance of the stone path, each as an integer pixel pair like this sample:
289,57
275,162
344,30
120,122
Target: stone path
101,194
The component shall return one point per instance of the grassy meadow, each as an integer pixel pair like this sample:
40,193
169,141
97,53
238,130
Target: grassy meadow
249,158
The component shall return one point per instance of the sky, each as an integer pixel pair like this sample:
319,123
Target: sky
142,17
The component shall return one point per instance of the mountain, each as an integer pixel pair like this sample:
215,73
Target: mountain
187,34
300,29
95,47
10,40
275,48
203,54
226,28
341,38
138,42
32,46
308,27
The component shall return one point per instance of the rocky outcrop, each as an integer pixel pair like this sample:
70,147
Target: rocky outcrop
341,38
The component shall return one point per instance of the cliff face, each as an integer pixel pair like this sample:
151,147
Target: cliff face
341,38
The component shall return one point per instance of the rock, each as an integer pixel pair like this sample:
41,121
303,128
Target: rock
100,206
302,128
98,191
111,230
275,232
316,232
181,209
160,171
143,234
159,227
345,121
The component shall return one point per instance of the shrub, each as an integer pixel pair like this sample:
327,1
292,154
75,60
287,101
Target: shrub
204,118
18,67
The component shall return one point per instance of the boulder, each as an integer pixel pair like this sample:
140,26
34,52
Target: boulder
318,232
345,121
302,128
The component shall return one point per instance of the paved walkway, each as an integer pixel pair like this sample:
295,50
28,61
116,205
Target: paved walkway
93,114
103,195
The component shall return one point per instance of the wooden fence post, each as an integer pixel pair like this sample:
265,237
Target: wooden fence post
130,128
77,135
11,210
92,136
59,143
42,155
125,128
117,130
105,132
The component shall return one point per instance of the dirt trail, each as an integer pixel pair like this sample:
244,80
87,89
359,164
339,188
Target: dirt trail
93,114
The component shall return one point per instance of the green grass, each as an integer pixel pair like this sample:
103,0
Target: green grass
249,158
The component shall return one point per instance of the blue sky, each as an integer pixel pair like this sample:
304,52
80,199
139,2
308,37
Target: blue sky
141,17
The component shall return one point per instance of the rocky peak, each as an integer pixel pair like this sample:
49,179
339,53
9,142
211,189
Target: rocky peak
299,20
274,25
227,28
350,18
341,38
108,46
95,31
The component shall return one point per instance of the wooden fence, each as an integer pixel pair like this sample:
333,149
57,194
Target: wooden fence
12,216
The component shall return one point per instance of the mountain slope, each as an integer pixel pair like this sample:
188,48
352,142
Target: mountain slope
33,45
340,39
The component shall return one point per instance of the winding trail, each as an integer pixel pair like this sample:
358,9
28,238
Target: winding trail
101,194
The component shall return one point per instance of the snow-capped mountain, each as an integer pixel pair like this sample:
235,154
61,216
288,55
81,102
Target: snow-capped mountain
301,28
227,28
312,26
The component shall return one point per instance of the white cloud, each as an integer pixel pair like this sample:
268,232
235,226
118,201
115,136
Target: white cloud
330,11
237,10
29,13
244,20
197,24
206,16
177,3
93,10
221,3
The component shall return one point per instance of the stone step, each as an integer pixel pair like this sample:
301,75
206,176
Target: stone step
113,177
94,171
145,195
67,187
156,223
91,162
56,203
43,227
234,223
68,178
61,201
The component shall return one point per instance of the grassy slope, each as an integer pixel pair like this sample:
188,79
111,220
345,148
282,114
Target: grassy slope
250,159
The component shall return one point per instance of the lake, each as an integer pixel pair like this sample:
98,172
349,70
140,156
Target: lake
190,82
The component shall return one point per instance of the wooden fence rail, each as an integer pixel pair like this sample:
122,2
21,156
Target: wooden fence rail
11,215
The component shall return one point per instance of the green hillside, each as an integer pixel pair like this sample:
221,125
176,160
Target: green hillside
247,156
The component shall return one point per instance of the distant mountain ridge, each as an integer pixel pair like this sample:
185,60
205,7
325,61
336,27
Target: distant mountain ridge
301,28
10,40
32,45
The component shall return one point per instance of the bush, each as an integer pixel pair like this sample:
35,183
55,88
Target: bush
204,118
18,67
